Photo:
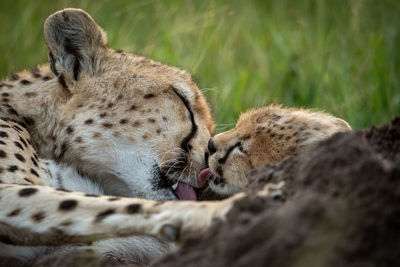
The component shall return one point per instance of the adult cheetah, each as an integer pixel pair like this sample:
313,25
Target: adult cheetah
97,121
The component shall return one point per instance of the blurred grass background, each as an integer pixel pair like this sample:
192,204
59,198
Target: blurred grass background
339,56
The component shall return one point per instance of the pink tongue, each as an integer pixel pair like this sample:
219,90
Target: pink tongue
185,192
203,177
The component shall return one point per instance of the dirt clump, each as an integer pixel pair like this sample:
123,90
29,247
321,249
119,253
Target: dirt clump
341,208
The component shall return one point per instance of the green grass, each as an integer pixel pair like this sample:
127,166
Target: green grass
342,57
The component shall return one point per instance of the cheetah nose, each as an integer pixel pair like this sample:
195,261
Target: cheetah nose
203,177
211,147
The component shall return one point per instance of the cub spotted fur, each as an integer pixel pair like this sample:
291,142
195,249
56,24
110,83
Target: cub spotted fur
265,135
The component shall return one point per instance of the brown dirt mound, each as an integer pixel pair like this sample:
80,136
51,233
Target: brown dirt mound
342,208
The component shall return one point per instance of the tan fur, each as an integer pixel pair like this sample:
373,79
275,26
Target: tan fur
19,160
107,103
267,135
106,121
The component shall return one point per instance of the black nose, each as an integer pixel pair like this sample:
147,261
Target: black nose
211,147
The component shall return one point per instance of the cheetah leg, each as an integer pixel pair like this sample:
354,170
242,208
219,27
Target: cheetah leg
46,216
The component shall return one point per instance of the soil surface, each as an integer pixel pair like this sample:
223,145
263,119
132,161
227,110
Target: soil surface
341,208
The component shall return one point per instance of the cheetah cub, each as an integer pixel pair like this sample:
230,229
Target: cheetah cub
261,136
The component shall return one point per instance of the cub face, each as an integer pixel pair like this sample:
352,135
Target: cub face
261,136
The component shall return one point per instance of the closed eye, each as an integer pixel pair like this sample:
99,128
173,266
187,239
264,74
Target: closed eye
185,142
223,160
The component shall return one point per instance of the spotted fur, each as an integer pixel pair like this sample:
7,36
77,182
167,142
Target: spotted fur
97,121
261,136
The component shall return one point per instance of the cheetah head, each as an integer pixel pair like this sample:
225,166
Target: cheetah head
263,136
136,126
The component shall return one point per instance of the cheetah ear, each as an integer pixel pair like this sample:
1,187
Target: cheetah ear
75,42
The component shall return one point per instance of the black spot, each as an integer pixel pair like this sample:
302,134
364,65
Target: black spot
18,145
26,192
12,168
147,96
28,180
123,121
34,173
102,215
5,94
25,82
67,205
275,117
89,121
107,125
2,143
23,141
12,111
17,128
119,51
133,208
4,126
110,105
38,217
70,129
35,72
136,123
3,134
46,78
34,161
114,198
2,154
14,213
133,107
103,114
19,157
66,223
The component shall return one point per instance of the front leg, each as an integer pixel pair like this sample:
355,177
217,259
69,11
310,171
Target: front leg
43,215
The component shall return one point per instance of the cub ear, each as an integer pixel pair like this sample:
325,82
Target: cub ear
75,43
